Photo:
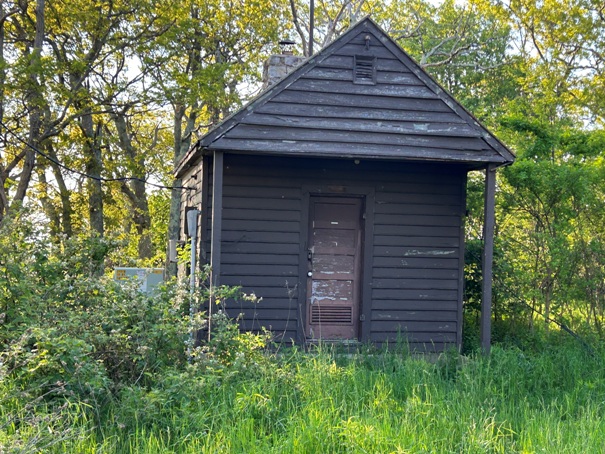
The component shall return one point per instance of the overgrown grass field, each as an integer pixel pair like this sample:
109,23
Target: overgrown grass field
91,366
322,402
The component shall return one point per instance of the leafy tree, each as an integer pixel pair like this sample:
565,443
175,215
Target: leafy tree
198,65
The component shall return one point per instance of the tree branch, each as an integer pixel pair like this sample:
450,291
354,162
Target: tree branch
298,28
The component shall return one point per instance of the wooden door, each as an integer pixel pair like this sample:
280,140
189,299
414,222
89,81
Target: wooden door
334,264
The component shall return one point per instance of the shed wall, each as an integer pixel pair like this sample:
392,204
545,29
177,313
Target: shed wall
416,233
191,199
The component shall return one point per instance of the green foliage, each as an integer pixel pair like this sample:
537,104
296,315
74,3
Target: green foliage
229,351
73,342
551,213
89,365
514,401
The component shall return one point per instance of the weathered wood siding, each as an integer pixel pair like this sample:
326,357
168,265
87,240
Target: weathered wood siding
191,199
416,232
416,266
324,113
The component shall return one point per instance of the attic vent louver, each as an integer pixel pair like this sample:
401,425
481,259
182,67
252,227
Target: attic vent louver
364,71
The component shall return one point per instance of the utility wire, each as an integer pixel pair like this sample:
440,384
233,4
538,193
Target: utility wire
84,174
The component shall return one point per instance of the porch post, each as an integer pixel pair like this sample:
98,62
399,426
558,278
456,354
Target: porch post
487,258
216,231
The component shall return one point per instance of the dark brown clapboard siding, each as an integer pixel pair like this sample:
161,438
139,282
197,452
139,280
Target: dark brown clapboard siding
259,259
405,230
276,326
414,294
255,282
384,129
257,203
417,219
294,98
367,113
428,194
359,49
251,214
432,342
242,191
440,136
260,249
415,261
256,248
417,305
273,297
247,225
257,270
407,241
230,236
414,337
417,283
321,72
255,313
191,198
346,62
414,315
416,257
411,327
418,251
419,208
276,166
348,88
414,273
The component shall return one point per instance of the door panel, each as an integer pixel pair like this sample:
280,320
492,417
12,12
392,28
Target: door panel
334,259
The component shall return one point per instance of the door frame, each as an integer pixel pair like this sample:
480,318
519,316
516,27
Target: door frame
365,280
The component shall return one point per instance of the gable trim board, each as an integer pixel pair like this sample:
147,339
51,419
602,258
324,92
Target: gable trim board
317,110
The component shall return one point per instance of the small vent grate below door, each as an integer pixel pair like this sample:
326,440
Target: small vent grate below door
336,315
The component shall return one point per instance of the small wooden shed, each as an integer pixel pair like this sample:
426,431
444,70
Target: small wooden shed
338,196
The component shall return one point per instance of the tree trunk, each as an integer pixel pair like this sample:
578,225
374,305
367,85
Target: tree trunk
66,206
94,166
135,189
47,204
34,101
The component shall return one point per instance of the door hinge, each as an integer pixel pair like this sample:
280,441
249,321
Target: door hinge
362,318
363,216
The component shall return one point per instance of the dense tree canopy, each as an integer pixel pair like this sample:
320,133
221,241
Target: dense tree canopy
99,99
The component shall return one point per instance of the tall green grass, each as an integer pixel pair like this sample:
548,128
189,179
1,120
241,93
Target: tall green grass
322,402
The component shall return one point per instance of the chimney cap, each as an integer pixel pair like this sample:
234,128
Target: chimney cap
286,46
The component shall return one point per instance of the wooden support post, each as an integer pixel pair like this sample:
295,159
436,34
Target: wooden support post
487,259
205,216
217,227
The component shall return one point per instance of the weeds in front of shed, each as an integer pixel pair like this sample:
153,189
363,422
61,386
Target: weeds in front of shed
88,366
512,401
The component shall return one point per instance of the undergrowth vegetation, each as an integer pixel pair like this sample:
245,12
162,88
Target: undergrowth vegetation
87,365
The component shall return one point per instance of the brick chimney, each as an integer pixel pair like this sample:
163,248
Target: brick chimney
279,66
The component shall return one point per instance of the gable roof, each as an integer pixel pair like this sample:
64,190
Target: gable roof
318,110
